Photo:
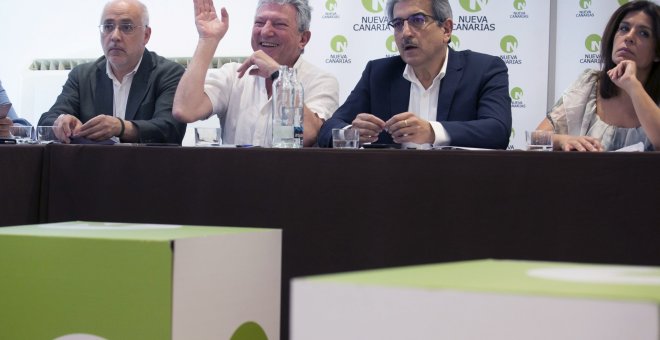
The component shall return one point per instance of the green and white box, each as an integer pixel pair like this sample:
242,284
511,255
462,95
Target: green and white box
485,299
89,280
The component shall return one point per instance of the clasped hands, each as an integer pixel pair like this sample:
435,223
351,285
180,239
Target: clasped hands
404,127
99,128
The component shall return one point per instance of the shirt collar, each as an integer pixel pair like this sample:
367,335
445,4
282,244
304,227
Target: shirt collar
108,71
409,73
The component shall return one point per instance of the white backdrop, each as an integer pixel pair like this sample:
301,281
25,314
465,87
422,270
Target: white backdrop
579,30
543,42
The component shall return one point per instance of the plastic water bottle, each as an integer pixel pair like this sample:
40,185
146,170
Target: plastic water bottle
283,131
297,101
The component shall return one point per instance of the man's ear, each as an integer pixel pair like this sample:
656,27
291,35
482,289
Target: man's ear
147,34
448,24
304,39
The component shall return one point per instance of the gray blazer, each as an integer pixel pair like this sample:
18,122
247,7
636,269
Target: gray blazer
88,92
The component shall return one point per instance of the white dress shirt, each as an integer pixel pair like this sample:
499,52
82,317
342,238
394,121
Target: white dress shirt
121,90
243,106
424,103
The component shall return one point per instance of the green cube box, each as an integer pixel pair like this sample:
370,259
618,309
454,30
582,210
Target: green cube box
485,299
91,280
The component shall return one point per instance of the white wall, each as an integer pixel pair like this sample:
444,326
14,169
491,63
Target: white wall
68,28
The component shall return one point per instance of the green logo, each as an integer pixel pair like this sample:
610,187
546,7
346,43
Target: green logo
592,43
249,331
623,2
585,4
331,5
373,6
390,44
473,5
516,93
339,43
455,43
519,5
509,44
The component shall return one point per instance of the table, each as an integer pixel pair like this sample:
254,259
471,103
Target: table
21,169
343,210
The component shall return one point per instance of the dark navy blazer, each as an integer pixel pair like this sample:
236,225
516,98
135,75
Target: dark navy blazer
473,106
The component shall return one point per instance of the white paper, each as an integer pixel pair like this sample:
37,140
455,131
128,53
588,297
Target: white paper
639,147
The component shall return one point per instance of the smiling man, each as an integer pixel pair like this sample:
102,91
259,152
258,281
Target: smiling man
127,94
239,94
429,95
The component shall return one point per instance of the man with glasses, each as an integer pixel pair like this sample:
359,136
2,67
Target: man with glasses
430,95
127,94
239,94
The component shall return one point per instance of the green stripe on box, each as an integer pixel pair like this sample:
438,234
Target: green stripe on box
56,282
513,277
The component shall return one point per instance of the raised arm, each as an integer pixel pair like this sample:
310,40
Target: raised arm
190,101
624,75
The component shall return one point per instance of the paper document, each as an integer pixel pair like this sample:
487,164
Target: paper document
449,147
639,147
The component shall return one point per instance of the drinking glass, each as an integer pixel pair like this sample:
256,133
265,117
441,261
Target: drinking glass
22,134
539,140
346,138
46,134
208,136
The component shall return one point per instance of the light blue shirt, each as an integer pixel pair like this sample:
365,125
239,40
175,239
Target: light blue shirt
12,114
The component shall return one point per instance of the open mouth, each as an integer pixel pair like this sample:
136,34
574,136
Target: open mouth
268,44
409,45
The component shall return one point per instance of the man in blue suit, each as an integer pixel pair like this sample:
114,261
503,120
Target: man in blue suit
430,95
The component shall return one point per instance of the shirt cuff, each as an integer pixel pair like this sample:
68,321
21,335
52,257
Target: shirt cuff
441,135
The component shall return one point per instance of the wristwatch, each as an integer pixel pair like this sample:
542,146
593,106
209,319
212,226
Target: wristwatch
274,75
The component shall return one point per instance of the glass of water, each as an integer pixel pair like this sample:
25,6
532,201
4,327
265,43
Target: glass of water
208,136
539,140
346,138
46,134
22,134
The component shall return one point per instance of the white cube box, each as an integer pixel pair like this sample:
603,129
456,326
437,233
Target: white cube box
91,280
485,299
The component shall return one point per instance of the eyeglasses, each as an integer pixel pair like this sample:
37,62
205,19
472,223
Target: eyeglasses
126,28
417,21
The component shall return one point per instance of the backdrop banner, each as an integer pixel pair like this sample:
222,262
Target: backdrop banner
354,32
345,35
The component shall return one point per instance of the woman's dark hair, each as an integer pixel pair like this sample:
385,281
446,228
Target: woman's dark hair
652,86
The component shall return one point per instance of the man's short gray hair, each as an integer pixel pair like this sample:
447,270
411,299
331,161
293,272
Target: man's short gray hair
303,10
441,9
143,9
